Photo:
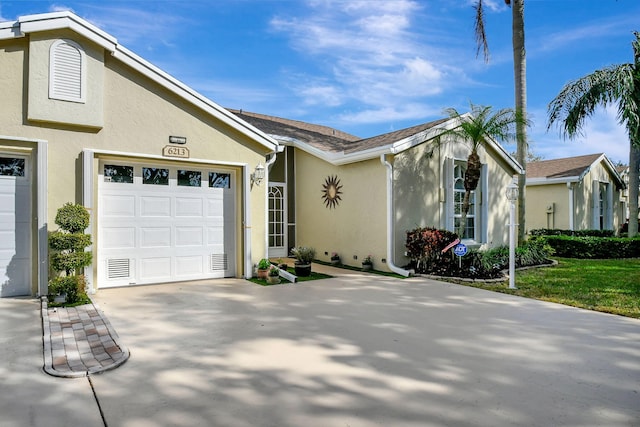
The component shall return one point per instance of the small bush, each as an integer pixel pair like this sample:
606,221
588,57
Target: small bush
424,248
72,218
304,254
264,264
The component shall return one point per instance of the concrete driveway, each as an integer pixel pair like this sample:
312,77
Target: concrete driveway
364,350
358,350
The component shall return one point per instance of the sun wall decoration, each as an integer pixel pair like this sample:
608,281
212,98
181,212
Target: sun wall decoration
331,190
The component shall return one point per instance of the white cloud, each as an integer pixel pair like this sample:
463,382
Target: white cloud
377,54
60,8
391,113
601,134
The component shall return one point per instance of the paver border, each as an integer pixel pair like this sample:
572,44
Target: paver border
47,350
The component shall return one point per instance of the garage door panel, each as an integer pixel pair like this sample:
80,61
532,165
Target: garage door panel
14,278
189,265
118,237
155,268
215,207
155,206
189,207
189,236
121,206
215,236
155,237
7,204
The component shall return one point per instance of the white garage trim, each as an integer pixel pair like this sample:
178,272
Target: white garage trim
39,179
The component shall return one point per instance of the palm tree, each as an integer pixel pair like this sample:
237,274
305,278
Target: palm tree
520,80
616,84
476,128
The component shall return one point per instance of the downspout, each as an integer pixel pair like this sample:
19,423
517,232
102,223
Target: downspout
268,165
570,186
390,222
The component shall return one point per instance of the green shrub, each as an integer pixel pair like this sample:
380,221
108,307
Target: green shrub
68,255
304,254
264,264
72,218
593,247
424,248
425,245
578,233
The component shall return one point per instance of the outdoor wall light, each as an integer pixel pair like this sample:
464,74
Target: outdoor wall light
258,174
512,196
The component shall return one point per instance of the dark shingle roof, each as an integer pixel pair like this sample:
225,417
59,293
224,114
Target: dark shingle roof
326,138
561,168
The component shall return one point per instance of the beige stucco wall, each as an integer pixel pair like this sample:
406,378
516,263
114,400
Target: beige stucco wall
138,117
357,225
542,197
421,196
539,197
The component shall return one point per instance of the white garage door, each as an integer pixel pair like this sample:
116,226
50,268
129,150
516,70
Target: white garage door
15,226
159,223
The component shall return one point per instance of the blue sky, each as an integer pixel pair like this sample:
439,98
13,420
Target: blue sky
370,67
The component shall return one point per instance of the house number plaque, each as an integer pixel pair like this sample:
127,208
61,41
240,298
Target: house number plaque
173,151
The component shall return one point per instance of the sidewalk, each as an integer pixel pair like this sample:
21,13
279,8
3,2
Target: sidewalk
79,341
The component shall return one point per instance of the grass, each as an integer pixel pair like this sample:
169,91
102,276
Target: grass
314,276
608,285
349,267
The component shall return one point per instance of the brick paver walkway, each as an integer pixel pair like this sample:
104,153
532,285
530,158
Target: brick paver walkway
79,341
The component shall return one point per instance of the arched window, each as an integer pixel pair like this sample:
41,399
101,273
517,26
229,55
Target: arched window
67,65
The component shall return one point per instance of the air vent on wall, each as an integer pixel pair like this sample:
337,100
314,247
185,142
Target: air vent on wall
218,262
118,268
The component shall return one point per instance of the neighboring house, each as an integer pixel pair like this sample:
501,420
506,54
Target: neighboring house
165,172
357,197
575,193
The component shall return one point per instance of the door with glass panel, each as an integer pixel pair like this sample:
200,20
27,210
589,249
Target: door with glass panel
277,220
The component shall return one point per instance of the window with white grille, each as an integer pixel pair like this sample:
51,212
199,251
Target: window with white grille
67,65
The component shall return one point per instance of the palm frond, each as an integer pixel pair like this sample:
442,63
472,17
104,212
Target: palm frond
481,35
578,99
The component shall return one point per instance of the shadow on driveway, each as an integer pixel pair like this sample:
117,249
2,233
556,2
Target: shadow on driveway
364,350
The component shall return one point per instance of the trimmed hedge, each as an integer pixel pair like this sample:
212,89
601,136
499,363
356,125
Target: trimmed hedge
593,247
576,233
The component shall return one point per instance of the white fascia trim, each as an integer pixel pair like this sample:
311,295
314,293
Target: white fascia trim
159,157
67,20
10,30
612,169
157,75
548,181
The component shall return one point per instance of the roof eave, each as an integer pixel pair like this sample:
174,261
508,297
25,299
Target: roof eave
550,181
68,20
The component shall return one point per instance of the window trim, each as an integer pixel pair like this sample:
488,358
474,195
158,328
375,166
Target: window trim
53,76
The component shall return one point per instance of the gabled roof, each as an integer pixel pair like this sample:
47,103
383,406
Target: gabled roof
568,169
339,148
67,20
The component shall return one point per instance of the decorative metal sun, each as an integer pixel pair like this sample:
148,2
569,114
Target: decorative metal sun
331,190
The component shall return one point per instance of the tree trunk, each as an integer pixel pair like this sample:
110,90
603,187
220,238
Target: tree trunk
520,76
634,184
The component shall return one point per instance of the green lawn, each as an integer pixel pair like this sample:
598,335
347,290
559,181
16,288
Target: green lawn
610,285
314,276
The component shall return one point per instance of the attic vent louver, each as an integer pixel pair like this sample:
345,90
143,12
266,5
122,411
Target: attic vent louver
66,73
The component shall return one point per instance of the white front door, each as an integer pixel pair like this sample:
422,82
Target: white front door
15,225
159,223
277,220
